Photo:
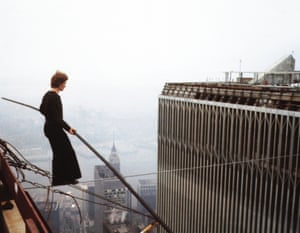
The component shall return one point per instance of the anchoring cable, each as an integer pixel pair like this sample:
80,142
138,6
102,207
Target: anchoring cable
55,191
116,173
22,163
19,165
207,166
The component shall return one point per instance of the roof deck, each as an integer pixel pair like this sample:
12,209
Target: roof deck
278,97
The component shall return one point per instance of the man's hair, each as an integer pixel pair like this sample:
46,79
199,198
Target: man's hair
58,78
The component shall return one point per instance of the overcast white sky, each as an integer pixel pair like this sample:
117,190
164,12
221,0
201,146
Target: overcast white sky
117,52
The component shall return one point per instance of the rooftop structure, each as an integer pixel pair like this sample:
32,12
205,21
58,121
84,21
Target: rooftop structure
276,97
281,73
18,212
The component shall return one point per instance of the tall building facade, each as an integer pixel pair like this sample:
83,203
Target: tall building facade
109,187
146,188
228,158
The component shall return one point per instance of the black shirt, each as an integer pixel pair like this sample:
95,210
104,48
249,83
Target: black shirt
51,108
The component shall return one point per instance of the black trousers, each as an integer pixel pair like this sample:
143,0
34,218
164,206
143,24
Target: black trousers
65,167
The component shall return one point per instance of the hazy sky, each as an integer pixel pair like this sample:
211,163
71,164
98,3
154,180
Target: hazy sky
120,52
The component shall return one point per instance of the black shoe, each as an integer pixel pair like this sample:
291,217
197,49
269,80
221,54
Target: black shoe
65,182
74,182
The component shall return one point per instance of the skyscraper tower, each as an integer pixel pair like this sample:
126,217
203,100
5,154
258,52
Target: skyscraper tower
228,158
108,186
114,159
147,190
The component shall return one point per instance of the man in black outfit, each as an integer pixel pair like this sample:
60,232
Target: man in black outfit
65,167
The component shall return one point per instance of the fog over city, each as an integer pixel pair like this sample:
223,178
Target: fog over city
118,55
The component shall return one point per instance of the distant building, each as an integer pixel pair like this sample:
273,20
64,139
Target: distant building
51,213
229,158
109,187
147,190
90,207
114,158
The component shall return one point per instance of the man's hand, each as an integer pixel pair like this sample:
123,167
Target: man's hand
72,131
